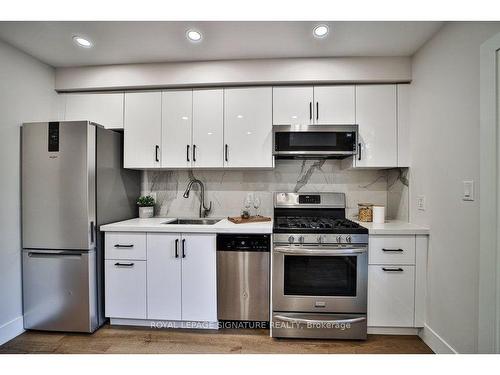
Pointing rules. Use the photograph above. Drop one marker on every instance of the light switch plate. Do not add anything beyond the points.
(421, 202)
(468, 194)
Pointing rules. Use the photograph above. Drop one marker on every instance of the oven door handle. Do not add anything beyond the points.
(335, 321)
(323, 251)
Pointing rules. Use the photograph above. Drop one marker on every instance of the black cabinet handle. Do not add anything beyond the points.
(183, 248)
(187, 152)
(124, 264)
(225, 153)
(118, 246)
(157, 148)
(310, 111)
(177, 248)
(393, 250)
(92, 229)
(317, 110)
(194, 152)
(359, 151)
(392, 269)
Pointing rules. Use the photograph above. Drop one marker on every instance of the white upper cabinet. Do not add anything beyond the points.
(208, 127)
(164, 276)
(404, 125)
(377, 119)
(142, 130)
(293, 105)
(199, 277)
(177, 120)
(105, 109)
(248, 127)
(334, 105)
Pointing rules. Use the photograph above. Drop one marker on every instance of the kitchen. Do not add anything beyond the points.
(268, 202)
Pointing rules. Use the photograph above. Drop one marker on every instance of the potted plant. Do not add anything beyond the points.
(146, 205)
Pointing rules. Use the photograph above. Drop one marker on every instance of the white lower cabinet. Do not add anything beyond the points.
(397, 269)
(125, 288)
(199, 283)
(391, 296)
(164, 276)
(176, 282)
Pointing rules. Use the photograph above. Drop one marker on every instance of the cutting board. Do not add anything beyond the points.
(251, 219)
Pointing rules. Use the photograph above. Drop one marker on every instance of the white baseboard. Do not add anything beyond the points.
(393, 331)
(11, 329)
(436, 342)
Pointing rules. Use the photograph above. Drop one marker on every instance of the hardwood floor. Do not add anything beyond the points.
(122, 340)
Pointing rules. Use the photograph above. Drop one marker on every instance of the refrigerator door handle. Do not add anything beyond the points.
(39, 254)
(92, 229)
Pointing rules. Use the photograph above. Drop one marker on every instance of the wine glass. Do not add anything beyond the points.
(247, 203)
(256, 205)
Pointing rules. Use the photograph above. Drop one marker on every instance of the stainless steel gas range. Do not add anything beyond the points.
(319, 268)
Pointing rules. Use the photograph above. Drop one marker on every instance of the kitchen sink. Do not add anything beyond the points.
(194, 221)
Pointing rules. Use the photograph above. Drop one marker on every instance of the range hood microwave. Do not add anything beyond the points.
(314, 141)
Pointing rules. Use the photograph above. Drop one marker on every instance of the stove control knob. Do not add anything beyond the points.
(291, 239)
(348, 239)
(339, 239)
(301, 239)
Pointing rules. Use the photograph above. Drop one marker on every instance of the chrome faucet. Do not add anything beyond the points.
(204, 211)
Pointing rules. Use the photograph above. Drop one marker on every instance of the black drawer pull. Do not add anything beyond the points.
(124, 264)
(310, 111)
(187, 153)
(177, 248)
(359, 151)
(157, 148)
(393, 250)
(183, 248)
(392, 269)
(118, 246)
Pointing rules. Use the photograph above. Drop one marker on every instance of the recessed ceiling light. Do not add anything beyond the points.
(320, 31)
(193, 35)
(82, 42)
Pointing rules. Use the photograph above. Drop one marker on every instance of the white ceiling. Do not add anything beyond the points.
(144, 42)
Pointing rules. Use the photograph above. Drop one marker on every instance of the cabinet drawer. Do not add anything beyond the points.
(391, 249)
(125, 246)
(125, 288)
(391, 295)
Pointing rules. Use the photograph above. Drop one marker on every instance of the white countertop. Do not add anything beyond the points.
(394, 227)
(157, 224)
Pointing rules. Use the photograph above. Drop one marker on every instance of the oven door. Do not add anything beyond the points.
(320, 278)
(314, 141)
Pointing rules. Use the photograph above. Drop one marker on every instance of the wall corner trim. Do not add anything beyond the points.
(11, 329)
(435, 342)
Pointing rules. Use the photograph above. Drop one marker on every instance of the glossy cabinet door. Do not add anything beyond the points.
(293, 105)
(125, 288)
(177, 123)
(334, 105)
(105, 109)
(142, 130)
(391, 295)
(377, 119)
(248, 127)
(403, 125)
(164, 276)
(199, 285)
(208, 127)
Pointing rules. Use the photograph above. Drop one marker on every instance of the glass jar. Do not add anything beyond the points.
(365, 212)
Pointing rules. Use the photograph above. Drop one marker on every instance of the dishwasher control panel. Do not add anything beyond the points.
(244, 242)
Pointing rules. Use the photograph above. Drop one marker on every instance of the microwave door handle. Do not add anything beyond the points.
(334, 321)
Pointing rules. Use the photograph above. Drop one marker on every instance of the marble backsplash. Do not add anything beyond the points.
(227, 189)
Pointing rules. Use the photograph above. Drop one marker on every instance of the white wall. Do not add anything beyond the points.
(26, 94)
(235, 72)
(445, 151)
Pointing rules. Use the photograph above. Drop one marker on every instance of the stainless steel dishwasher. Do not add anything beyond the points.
(243, 277)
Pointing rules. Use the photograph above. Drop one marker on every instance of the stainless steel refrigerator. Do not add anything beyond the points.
(73, 181)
